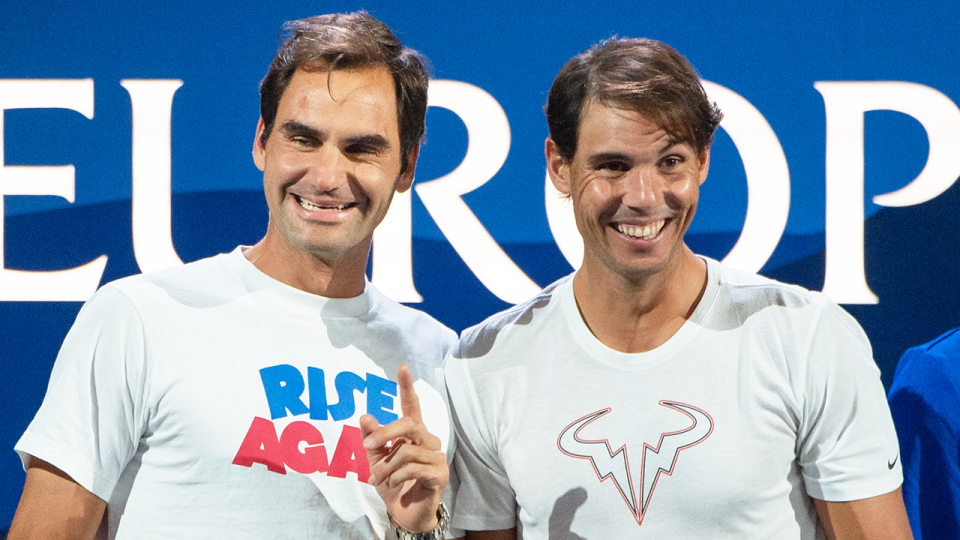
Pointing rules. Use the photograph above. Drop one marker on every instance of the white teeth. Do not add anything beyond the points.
(313, 207)
(307, 204)
(646, 232)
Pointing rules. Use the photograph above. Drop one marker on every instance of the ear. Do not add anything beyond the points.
(557, 167)
(405, 180)
(259, 159)
(704, 158)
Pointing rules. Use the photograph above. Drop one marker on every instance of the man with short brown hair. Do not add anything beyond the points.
(242, 395)
(657, 393)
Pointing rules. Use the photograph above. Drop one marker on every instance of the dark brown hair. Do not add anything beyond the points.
(641, 75)
(349, 41)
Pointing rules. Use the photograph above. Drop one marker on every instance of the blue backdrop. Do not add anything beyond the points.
(811, 206)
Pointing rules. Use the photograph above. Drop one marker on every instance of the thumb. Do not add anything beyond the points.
(368, 424)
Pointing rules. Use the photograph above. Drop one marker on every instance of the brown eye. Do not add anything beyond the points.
(672, 162)
(360, 149)
(300, 140)
(614, 166)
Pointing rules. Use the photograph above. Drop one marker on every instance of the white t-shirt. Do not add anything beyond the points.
(767, 396)
(212, 401)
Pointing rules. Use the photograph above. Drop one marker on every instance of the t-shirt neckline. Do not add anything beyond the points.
(614, 358)
(256, 280)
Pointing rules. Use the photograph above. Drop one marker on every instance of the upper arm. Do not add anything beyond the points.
(55, 507)
(846, 441)
(882, 516)
(485, 499)
(95, 409)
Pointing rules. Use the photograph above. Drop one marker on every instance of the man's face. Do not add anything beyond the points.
(634, 190)
(332, 162)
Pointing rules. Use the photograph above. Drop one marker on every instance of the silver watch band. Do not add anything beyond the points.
(443, 523)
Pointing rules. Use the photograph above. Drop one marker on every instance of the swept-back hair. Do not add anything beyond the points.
(349, 41)
(640, 75)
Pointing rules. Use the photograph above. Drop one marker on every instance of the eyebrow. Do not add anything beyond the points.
(376, 141)
(293, 128)
(598, 159)
(669, 145)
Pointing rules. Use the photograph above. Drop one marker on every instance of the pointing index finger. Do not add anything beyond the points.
(409, 403)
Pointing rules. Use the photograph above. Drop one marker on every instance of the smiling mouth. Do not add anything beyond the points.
(645, 232)
(317, 208)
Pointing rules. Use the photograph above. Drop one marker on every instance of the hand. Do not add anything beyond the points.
(406, 464)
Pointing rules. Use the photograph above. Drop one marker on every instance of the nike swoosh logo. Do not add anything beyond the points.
(890, 464)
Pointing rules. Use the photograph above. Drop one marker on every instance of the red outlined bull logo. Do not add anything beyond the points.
(657, 460)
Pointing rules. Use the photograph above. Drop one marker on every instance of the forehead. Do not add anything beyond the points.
(605, 128)
(598, 118)
(358, 96)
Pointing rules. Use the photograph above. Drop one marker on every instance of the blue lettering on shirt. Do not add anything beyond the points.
(318, 394)
(347, 383)
(284, 385)
(380, 394)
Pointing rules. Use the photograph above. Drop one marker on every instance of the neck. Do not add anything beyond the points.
(330, 277)
(633, 315)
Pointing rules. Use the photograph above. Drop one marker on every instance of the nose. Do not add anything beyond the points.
(640, 187)
(327, 169)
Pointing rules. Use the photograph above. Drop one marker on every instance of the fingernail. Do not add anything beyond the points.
(368, 443)
(372, 480)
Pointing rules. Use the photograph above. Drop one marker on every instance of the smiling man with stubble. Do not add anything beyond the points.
(656, 393)
(242, 396)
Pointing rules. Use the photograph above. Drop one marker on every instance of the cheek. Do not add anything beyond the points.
(686, 191)
(593, 202)
(591, 191)
(374, 182)
(288, 168)
(372, 174)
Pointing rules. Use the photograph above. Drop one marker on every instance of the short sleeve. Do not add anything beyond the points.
(846, 445)
(91, 418)
(485, 500)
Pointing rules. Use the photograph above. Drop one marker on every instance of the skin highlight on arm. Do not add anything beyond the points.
(878, 517)
(54, 507)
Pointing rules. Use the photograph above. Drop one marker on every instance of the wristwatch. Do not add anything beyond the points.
(443, 523)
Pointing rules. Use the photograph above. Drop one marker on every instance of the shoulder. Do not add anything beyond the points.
(743, 295)
(406, 318)
(417, 328)
(944, 348)
(747, 288)
(810, 334)
(479, 340)
(193, 275)
(932, 364)
(201, 283)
